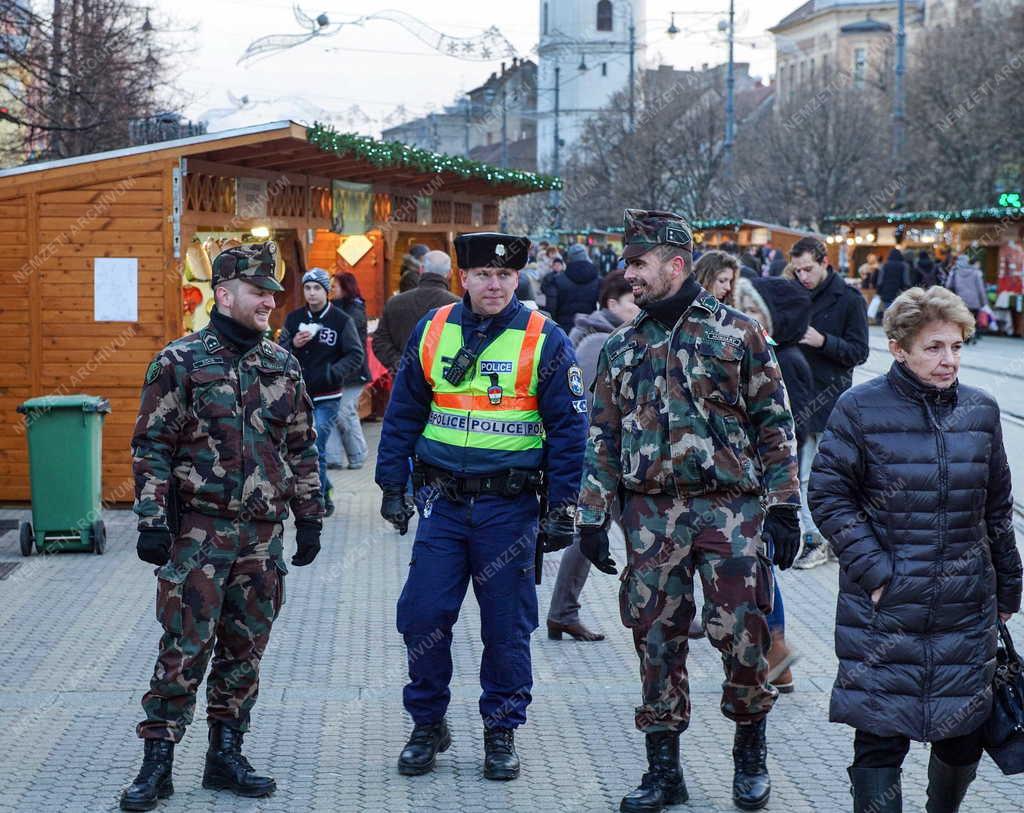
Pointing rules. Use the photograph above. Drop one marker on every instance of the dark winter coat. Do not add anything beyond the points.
(927, 274)
(893, 277)
(912, 486)
(838, 312)
(402, 313)
(570, 292)
(355, 309)
(333, 357)
(789, 306)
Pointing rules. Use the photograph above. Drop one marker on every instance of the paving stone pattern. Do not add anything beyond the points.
(78, 638)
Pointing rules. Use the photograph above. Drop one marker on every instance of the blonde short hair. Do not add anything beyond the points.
(917, 307)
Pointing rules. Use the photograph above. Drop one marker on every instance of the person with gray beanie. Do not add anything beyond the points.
(572, 291)
(325, 341)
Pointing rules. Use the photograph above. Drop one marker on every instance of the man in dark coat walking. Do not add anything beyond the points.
(573, 291)
(835, 343)
(893, 278)
(403, 311)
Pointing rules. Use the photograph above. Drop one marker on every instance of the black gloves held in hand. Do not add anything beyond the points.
(557, 528)
(154, 546)
(594, 545)
(307, 542)
(397, 508)
(782, 527)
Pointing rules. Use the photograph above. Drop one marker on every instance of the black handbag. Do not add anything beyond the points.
(1003, 732)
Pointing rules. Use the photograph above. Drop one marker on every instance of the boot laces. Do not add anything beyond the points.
(500, 740)
(424, 734)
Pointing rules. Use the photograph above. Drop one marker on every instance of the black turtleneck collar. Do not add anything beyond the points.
(904, 381)
(234, 333)
(824, 284)
(669, 310)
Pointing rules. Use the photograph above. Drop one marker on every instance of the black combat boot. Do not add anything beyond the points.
(227, 769)
(876, 790)
(154, 779)
(663, 783)
(500, 758)
(947, 785)
(751, 785)
(425, 743)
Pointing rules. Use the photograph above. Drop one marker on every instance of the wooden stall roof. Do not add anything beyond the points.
(992, 214)
(281, 146)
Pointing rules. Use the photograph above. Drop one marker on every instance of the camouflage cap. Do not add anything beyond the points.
(253, 262)
(644, 229)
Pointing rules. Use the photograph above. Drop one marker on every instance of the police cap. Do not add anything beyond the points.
(253, 262)
(491, 249)
(644, 230)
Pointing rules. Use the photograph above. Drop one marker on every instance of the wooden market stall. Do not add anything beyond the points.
(994, 236)
(105, 257)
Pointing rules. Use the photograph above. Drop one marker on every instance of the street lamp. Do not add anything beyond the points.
(582, 67)
(672, 30)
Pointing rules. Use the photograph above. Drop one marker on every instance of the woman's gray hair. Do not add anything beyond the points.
(917, 307)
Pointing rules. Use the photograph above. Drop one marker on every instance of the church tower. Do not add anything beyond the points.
(588, 42)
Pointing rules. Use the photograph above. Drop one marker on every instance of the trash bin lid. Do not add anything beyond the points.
(86, 403)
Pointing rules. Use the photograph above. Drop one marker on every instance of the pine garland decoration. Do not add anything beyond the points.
(953, 216)
(396, 154)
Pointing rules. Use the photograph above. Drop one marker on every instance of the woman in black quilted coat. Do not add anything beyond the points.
(912, 487)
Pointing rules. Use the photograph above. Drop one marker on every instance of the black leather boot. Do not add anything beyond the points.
(227, 769)
(663, 783)
(500, 758)
(751, 785)
(425, 743)
(947, 785)
(154, 779)
(876, 790)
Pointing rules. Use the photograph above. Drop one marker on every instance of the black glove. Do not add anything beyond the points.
(397, 508)
(557, 528)
(782, 527)
(307, 542)
(594, 545)
(154, 546)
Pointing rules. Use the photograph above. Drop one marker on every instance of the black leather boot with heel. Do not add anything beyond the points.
(663, 783)
(154, 779)
(228, 769)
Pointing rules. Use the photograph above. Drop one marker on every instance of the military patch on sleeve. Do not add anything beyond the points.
(153, 372)
(575, 381)
(580, 406)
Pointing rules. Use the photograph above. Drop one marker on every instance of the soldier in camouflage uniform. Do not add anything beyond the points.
(223, 445)
(691, 430)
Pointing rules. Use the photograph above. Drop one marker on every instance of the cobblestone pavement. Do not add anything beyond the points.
(78, 639)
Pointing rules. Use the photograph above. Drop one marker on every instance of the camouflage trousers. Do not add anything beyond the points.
(667, 540)
(218, 595)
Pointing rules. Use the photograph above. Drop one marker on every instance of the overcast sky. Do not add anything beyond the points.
(375, 69)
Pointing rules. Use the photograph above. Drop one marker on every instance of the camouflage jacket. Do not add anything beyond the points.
(235, 431)
(700, 409)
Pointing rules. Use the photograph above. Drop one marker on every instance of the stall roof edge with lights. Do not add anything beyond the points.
(106, 257)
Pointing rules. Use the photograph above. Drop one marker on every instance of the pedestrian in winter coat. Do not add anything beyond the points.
(868, 272)
(348, 434)
(912, 486)
(572, 291)
(587, 336)
(403, 311)
(893, 277)
(966, 282)
(927, 273)
(782, 307)
(835, 343)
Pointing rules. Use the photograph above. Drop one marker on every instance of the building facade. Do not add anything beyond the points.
(585, 50)
(834, 43)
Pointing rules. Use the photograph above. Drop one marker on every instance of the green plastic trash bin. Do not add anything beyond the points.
(65, 452)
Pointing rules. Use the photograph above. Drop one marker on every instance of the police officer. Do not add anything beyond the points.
(224, 444)
(490, 404)
(691, 429)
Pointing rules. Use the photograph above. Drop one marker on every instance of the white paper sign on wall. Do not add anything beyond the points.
(115, 289)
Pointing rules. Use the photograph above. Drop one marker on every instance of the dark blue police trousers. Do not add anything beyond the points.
(492, 540)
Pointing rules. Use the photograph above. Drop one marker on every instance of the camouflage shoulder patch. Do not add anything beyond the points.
(153, 372)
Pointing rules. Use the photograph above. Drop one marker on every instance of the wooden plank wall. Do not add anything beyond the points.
(15, 361)
(123, 217)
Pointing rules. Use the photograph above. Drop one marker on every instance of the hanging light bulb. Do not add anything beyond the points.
(672, 30)
(147, 26)
(583, 64)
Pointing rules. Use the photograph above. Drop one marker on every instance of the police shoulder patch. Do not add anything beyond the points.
(575, 375)
(153, 372)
